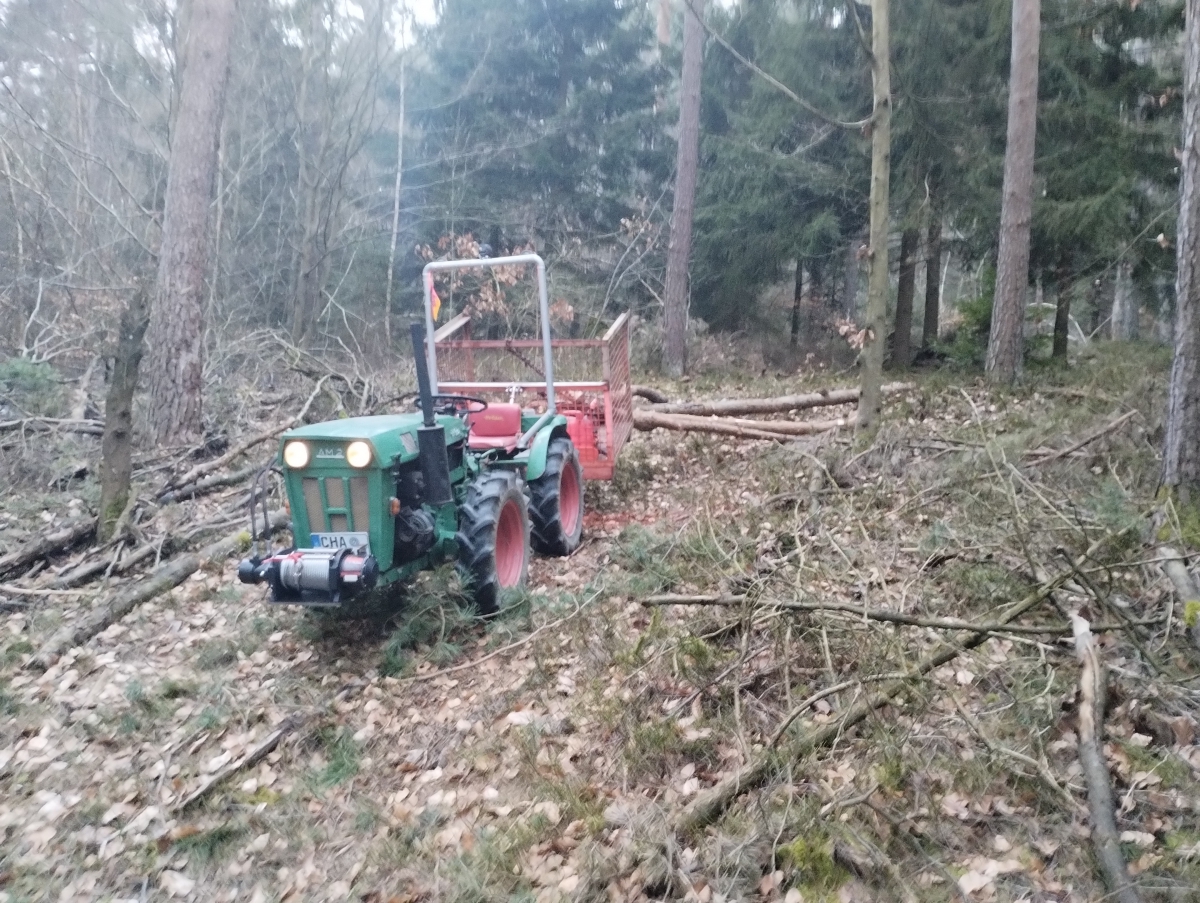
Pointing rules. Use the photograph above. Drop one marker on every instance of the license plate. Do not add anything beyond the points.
(356, 542)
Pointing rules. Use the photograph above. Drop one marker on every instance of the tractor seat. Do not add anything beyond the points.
(497, 426)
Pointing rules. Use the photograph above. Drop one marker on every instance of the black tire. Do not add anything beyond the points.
(556, 501)
(494, 516)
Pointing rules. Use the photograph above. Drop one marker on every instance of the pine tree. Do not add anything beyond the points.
(1181, 445)
(1012, 270)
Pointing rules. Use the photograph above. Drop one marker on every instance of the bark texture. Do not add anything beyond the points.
(687, 158)
(1181, 445)
(1062, 316)
(933, 281)
(1012, 266)
(877, 279)
(906, 290)
(116, 446)
(177, 316)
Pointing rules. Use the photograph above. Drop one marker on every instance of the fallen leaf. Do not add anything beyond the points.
(176, 884)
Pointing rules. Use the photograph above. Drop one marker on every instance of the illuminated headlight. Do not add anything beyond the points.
(295, 455)
(358, 454)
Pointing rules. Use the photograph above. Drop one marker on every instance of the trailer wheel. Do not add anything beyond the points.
(556, 504)
(493, 538)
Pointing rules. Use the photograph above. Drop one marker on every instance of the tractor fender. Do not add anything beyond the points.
(541, 445)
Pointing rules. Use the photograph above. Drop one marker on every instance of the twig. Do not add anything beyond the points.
(1087, 440)
(241, 448)
(503, 649)
(1042, 769)
(160, 581)
(708, 806)
(289, 725)
(1100, 799)
(871, 614)
(47, 544)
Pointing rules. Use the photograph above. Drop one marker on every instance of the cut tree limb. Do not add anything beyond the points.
(1105, 838)
(645, 419)
(48, 544)
(165, 578)
(871, 614)
(201, 470)
(1175, 568)
(708, 806)
(782, 404)
(202, 487)
(89, 427)
(1044, 456)
(651, 394)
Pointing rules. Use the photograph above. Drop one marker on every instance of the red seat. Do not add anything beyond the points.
(497, 426)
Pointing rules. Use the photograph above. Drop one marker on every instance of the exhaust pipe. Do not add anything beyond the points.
(431, 438)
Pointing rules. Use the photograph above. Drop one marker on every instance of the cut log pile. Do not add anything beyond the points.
(730, 417)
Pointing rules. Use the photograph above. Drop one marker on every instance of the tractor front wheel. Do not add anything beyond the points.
(493, 537)
(556, 502)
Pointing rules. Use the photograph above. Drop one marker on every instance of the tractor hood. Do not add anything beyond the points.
(393, 437)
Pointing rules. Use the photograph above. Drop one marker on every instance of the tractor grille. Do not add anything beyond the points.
(329, 510)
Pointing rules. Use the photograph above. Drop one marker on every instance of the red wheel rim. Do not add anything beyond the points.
(569, 499)
(510, 545)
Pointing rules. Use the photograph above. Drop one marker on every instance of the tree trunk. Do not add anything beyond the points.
(116, 446)
(1062, 316)
(387, 298)
(933, 280)
(850, 286)
(177, 316)
(687, 158)
(905, 292)
(797, 300)
(1012, 269)
(1124, 326)
(1181, 446)
(877, 281)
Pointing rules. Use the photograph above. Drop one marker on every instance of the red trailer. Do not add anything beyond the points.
(592, 385)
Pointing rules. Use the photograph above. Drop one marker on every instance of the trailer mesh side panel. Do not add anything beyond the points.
(620, 388)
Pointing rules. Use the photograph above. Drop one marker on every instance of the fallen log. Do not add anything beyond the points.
(651, 394)
(49, 424)
(646, 419)
(780, 405)
(203, 487)
(708, 806)
(165, 578)
(1105, 838)
(48, 544)
(86, 572)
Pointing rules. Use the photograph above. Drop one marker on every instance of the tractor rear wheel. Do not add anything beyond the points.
(556, 502)
(493, 537)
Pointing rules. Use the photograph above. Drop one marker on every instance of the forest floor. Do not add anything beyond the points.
(558, 752)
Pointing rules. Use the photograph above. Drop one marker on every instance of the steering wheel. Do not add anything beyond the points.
(458, 404)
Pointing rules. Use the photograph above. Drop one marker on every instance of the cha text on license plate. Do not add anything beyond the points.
(355, 542)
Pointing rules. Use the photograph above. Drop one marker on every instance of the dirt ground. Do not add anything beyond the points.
(548, 755)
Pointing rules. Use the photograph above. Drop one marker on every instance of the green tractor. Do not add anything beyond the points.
(374, 500)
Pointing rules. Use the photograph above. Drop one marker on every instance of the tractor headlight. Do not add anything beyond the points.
(295, 455)
(358, 454)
